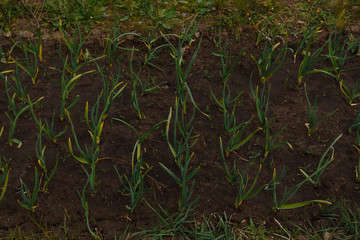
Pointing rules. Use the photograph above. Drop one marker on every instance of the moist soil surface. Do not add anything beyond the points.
(60, 207)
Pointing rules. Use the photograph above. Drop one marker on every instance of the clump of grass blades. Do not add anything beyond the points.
(175, 224)
(351, 222)
(182, 225)
(345, 225)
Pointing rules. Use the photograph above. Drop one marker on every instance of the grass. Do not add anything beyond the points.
(160, 21)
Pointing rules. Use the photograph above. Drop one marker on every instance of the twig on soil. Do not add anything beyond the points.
(32, 13)
(241, 157)
(289, 236)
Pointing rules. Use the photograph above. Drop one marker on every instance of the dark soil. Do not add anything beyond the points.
(61, 205)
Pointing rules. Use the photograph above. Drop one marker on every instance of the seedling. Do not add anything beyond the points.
(3, 59)
(67, 86)
(338, 51)
(146, 86)
(96, 121)
(229, 118)
(271, 57)
(78, 59)
(325, 160)
(271, 141)
(35, 47)
(29, 199)
(17, 87)
(225, 56)
(350, 94)
(89, 156)
(85, 206)
(111, 43)
(236, 140)
(310, 58)
(241, 177)
(288, 194)
(149, 44)
(75, 45)
(234, 177)
(17, 112)
(134, 81)
(313, 119)
(234, 129)
(31, 66)
(4, 176)
(134, 186)
(180, 149)
(261, 102)
(182, 87)
(40, 153)
(357, 146)
(47, 128)
(356, 123)
(224, 103)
